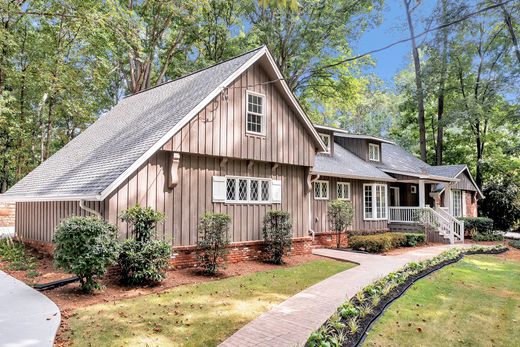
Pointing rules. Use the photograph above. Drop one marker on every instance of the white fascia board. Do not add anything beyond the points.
(22, 198)
(354, 177)
(421, 176)
(185, 120)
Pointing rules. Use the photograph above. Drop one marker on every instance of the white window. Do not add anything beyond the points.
(373, 152)
(255, 117)
(326, 140)
(374, 201)
(321, 190)
(413, 189)
(456, 196)
(246, 190)
(343, 191)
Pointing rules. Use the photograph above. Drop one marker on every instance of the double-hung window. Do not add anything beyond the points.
(373, 152)
(255, 116)
(456, 196)
(375, 201)
(343, 190)
(321, 190)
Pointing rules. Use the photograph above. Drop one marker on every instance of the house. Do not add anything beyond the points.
(388, 187)
(230, 138)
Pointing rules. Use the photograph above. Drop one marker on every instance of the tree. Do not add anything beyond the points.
(340, 214)
(418, 81)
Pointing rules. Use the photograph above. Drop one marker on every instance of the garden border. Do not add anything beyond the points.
(408, 284)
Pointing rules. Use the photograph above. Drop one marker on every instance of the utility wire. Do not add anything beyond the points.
(461, 19)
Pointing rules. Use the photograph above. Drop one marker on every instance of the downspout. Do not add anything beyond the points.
(311, 230)
(88, 209)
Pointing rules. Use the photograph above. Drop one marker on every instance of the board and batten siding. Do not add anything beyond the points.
(320, 222)
(184, 204)
(464, 183)
(220, 129)
(37, 221)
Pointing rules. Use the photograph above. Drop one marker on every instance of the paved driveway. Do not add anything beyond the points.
(291, 322)
(27, 317)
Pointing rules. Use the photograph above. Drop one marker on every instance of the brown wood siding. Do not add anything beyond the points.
(319, 207)
(37, 221)
(464, 183)
(184, 205)
(220, 129)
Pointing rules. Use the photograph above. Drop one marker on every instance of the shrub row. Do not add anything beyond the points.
(479, 224)
(379, 243)
(346, 326)
(515, 244)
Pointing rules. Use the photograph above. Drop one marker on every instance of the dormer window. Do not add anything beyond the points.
(255, 117)
(326, 140)
(373, 152)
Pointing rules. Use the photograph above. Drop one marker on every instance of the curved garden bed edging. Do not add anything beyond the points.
(337, 331)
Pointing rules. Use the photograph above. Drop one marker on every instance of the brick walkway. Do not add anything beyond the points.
(291, 322)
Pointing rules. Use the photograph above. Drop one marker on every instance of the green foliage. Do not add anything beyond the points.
(502, 202)
(213, 241)
(143, 260)
(515, 244)
(14, 252)
(379, 243)
(487, 236)
(340, 214)
(277, 231)
(85, 246)
(478, 224)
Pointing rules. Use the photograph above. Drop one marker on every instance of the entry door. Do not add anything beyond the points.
(394, 196)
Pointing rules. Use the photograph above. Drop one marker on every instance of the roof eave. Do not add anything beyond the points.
(43, 198)
(355, 177)
(420, 176)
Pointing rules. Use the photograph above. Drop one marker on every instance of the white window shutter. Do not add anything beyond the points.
(219, 189)
(276, 188)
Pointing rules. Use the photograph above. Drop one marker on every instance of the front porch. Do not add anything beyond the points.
(419, 205)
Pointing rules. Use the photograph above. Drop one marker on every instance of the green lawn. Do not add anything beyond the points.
(475, 302)
(194, 315)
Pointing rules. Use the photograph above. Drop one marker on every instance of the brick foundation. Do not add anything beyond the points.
(7, 214)
(184, 256)
(329, 239)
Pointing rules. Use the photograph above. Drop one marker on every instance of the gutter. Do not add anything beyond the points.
(88, 209)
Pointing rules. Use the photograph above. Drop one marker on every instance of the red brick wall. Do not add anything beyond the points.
(7, 211)
(328, 240)
(471, 205)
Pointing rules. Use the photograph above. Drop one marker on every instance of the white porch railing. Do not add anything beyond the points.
(440, 220)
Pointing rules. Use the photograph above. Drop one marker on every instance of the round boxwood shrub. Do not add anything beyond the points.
(277, 235)
(85, 246)
(143, 260)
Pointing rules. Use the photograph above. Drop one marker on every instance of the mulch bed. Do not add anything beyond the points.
(366, 322)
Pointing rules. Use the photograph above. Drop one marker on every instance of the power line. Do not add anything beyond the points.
(461, 19)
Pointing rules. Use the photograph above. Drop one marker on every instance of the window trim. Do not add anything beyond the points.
(314, 190)
(374, 145)
(338, 184)
(328, 151)
(453, 199)
(374, 199)
(249, 201)
(413, 189)
(263, 115)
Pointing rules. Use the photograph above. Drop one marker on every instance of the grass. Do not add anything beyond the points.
(475, 302)
(194, 315)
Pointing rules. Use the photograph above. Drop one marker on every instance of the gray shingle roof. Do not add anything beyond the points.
(347, 164)
(394, 157)
(98, 156)
(447, 170)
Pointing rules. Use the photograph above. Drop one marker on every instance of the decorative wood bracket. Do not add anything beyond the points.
(173, 177)
(309, 180)
(223, 162)
(273, 169)
(250, 165)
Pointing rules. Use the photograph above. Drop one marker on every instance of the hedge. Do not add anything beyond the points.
(479, 224)
(379, 243)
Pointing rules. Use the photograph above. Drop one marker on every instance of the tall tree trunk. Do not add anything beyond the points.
(418, 83)
(442, 88)
(508, 19)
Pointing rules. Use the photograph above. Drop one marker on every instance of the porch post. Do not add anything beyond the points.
(447, 197)
(421, 194)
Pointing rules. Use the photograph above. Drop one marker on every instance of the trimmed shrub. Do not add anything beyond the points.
(277, 235)
(515, 244)
(379, 243)
(213, 241)
(479, 224)
(85, 246)
(143, 260)
(340, 213)
(487, 236)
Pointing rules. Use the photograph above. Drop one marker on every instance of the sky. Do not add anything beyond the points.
(393, 28)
